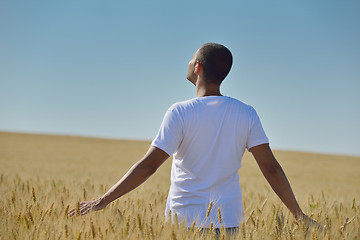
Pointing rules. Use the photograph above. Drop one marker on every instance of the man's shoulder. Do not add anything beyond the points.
(191, 103)
(239, 102)
(182, 104)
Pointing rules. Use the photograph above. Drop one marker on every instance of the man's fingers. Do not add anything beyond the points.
(84, 208)
(311, 222)
(71, 212)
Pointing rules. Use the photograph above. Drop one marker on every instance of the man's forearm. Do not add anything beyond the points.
(276, 177)
(136, 175)
(281, 186)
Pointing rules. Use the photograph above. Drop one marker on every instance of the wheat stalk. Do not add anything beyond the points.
(209, 209)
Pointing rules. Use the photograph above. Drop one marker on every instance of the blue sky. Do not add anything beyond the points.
(112, 68)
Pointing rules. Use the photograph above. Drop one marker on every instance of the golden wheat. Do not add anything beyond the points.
(42, 176)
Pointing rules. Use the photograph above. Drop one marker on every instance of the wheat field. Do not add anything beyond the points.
(42, 176)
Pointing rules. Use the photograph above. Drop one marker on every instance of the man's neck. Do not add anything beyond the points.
(204, 89)
(207, 93)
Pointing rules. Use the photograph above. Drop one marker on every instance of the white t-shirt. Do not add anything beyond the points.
(208, 137)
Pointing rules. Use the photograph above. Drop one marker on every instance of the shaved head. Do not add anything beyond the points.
(216, 61)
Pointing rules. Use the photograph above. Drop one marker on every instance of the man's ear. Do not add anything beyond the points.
(197, 67)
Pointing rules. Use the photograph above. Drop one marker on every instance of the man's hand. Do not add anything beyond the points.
(309, 221)
(87, 206)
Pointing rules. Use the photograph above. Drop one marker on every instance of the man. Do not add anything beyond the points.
(208, 136)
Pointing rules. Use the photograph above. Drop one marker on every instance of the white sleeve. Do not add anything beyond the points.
(170, 133)
(256, 134)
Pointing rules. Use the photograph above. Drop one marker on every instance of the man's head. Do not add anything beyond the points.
(215, 61)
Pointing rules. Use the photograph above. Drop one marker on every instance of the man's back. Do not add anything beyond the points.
(208, 136)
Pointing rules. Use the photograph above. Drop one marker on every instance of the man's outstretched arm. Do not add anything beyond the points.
(276, 177)
(137, 174)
